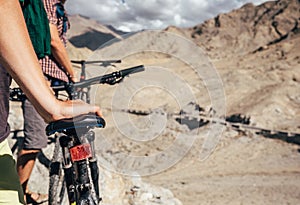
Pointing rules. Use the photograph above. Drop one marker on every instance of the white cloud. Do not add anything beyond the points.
(135, 15)
(178, 20)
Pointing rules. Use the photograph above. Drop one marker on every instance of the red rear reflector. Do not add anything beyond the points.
(81, 152)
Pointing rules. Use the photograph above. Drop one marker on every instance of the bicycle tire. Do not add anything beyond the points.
(57, 187)
(84, 176)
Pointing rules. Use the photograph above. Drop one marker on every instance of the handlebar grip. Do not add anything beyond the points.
(78, 61)
(135, 69)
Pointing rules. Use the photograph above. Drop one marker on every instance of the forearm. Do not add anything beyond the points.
(18, 57)
(59, 51)
(62, 58)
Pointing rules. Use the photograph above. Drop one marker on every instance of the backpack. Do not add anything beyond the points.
(38, 26)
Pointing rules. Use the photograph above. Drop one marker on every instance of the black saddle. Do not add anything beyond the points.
(88, 121)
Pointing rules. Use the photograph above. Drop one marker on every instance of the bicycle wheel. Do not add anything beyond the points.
(57, 187)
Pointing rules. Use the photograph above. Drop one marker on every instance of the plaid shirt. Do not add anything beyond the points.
(49, 65)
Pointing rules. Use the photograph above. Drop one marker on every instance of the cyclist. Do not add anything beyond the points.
(56, 67)
(15, 52)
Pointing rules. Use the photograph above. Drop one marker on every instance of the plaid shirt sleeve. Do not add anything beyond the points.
(51, 10)
(49, 65)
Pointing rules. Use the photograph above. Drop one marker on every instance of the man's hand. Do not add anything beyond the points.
(72, 108)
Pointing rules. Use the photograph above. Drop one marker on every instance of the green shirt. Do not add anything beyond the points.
(38, 26)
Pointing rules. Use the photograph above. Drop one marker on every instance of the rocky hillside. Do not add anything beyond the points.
(249, 29)
(149, 155)
(256, 50)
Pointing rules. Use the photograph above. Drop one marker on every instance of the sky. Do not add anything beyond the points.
(134, 15)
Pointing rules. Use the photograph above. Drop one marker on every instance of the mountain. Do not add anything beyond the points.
(256, 51)
(89, 33)
(249, 29)
(151, 118)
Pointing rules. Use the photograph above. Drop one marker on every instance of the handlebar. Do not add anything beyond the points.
(111, 79)
(16, 94)
(103, 62)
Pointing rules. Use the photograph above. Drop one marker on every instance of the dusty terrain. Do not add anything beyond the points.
(255, 52)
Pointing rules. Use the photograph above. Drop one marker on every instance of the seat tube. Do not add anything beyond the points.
(93, 163)
(65, 143)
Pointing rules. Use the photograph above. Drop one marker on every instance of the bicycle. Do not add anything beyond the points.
(74, 166)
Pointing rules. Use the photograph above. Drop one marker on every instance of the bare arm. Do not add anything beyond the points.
(60, 53)
(18, 57)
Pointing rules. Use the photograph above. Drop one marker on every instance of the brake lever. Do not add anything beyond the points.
(114, 81)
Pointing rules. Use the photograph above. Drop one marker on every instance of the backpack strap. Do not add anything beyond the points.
(61, 14)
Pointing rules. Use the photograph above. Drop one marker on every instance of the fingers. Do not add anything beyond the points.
(74, 79)
(98, 111)
(73, 108)
(78, 107)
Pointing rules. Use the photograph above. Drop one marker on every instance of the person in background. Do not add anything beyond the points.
(16, 51)
(56, 68)
(54, 65)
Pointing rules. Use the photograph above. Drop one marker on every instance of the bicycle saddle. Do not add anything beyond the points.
(82, 121)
